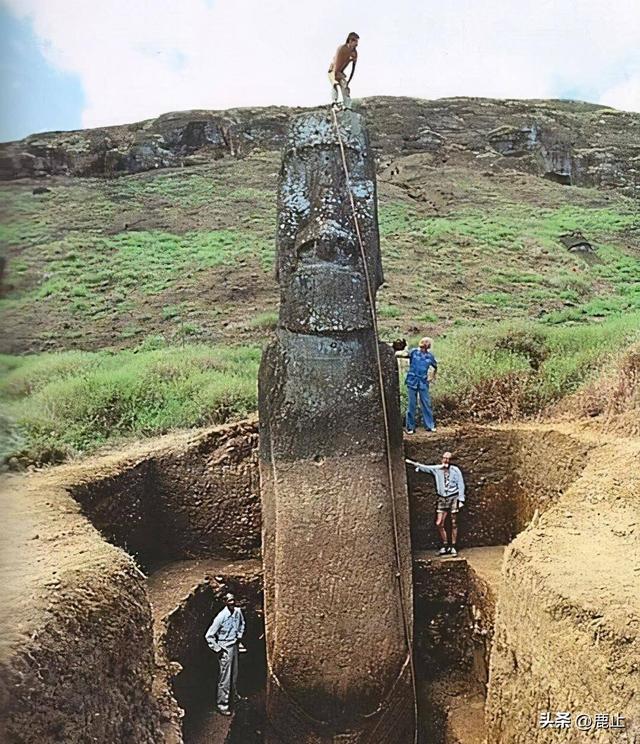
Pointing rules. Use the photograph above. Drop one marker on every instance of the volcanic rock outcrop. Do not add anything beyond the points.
(569, 142)
(336, 550)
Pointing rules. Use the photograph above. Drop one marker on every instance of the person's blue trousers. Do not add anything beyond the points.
(425, 405)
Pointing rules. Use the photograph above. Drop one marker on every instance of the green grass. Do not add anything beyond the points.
(389, 311)
(99, 254)
(395, 218)
(58, 405)
(509, 226)
(171, 312)
(181, 189)
(509, 259)
(172, 254)
(427, 317)
(497, 299)
(265, 321)
(62, 404)
(147, 262)
(549, 362)
(78, 239)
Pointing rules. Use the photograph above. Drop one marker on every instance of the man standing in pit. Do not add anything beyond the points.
(345, 55)
(450, 499)
(223, 637)
(417, 382)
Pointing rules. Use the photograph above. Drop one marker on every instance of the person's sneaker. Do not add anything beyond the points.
(411, 431)
(223, 710)
(443, 550)
(453, 551)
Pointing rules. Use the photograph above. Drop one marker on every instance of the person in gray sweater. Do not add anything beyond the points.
(223, 638)
(450, 490)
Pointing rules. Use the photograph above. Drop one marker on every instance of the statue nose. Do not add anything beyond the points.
(326, 240)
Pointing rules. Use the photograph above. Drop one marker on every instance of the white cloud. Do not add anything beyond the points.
(140, 58)
(624, 95)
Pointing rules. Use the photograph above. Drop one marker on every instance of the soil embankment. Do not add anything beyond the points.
(568, 621)
(506, 470)
(92, 649)
(77, 654)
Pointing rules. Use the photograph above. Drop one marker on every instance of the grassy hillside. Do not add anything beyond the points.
(62, 404)
(158, 288)
(188, 254)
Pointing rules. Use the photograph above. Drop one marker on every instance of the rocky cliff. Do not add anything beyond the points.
(568, 142)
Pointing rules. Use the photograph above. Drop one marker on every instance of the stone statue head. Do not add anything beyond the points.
(323, 286)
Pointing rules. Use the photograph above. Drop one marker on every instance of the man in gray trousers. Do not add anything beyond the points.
(223, 637)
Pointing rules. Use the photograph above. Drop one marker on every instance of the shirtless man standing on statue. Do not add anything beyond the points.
(345, 54)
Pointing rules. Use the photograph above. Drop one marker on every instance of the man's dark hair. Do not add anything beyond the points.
(352, 35)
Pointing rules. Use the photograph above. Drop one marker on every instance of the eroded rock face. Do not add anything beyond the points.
(566, 141)
(336, 640)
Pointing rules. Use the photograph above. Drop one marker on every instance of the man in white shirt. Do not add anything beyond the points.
(450, 489)
(223, 637)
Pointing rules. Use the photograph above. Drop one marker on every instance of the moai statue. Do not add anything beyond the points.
(337, 561)
(337, 565)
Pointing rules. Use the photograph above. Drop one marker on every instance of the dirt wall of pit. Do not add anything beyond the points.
(76, 659)
(567, 633)
(180, 497)
(454, 608)
(185, 596)
(77, 645)
(199, 496)
(78, 636)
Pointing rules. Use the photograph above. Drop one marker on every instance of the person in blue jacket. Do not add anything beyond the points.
(417, 382)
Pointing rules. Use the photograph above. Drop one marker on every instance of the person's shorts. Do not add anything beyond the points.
(447, 504)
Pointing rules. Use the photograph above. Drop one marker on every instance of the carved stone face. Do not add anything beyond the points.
(320, 269)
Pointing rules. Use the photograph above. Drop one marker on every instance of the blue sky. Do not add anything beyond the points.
(74, 63)
(36, 97)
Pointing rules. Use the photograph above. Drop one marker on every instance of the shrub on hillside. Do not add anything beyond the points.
(614, 396)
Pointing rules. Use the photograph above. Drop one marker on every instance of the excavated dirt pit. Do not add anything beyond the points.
(188, 513)
(183, 598)
(454, 608)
